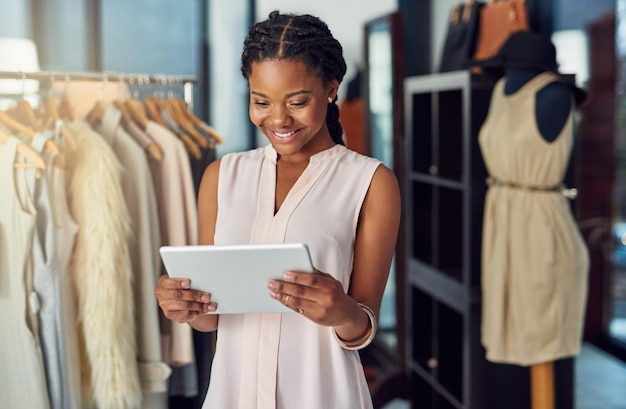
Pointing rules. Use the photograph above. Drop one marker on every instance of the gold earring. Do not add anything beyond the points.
(330, 100)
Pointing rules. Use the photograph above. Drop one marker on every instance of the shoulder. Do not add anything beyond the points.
(243, 156)
(385, 182)
(356, 159)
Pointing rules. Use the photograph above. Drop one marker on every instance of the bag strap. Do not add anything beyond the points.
(454, 15)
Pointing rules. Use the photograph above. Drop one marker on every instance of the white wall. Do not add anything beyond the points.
(439, 14)
(345, 18)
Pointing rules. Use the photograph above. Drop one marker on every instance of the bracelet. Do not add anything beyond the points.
(366, 339)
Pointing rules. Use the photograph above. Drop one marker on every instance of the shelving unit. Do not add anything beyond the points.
(443, 201)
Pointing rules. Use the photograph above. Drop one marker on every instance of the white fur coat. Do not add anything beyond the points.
(102, 275)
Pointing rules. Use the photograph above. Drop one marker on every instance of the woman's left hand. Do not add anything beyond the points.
(318, 296)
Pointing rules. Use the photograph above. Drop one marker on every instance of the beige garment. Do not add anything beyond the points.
(534, 261)
(101, 269)
(22, 376)
(178, 216)
(285, 361)
(143, 247)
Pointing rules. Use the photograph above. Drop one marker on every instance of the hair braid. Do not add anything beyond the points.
(303, 38)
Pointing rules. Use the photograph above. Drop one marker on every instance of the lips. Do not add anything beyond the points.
(283, 135)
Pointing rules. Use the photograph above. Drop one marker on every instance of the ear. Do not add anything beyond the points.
(333, 88)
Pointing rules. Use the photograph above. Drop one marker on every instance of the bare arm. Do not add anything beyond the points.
(376, 238)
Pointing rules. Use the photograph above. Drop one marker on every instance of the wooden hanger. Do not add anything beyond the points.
(95, 115)
(153, 149)
(126, 118)
(155, 106)
(27, 113)
(135, 109)
(192, 148)
(183, 120)
(68, 135)
(36, 160)
(182, 107)
(66, 111)
(15, 125)
(153, 111)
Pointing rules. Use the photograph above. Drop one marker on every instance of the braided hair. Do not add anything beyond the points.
(302, 38)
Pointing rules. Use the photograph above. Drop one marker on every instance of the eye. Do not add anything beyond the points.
(299, 104)
(261, 104)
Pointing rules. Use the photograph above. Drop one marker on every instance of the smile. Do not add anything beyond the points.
(284, 135)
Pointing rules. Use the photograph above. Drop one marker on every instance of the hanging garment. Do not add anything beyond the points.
(102, 273)
(534, 261)
(143, 247)
(178, 216)
(47, 284)
(285, 360)
(22, 376)
(65, 231)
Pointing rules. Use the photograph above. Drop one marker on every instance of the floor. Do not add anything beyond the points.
(600, 382)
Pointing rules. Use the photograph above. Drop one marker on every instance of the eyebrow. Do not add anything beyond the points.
(290, 95)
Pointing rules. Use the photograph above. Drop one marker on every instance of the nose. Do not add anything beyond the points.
(279, 116)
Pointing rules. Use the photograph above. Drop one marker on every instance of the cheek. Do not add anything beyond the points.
(318, 116)
(256, 117)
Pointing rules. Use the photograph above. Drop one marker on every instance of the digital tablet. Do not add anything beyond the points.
(237, 275)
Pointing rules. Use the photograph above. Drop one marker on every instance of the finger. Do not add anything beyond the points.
(316, 279)
(300, 305)
(175, 306)
(167, 282)
(182, 316)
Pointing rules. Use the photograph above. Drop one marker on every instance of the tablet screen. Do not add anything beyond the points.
(237, 275)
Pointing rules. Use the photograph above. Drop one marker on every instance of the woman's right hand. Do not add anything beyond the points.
(180, 303)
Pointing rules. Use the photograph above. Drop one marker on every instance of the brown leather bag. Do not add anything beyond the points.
(498, 20)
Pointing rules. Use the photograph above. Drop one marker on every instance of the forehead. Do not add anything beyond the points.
(280, 73)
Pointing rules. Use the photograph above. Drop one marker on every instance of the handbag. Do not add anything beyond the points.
(498, 20)
(460, 39)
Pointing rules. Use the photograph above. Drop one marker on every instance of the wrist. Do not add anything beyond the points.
(366, 337)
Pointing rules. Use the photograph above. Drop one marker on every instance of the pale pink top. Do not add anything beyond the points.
(285, 360)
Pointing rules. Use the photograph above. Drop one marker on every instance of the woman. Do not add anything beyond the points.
(304, 186)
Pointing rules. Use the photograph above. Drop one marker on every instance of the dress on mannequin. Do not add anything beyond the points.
(535, 263)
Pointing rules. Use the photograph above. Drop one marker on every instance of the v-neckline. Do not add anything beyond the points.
(308, 177)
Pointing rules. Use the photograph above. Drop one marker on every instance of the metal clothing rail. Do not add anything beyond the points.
(187, 81)
(113, 76)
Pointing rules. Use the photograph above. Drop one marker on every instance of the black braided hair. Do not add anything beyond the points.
(302, 38)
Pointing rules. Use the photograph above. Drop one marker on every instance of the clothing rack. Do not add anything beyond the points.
(187, 81)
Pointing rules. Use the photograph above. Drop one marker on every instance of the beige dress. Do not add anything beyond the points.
(284, 361)
(534, 261)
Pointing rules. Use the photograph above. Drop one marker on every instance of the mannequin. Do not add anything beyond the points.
(553, 105)
(535, 263)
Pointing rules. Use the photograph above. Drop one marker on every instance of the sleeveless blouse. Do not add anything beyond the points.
(284, 360)
(534, 261)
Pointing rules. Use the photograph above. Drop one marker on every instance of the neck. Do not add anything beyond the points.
(517, 77)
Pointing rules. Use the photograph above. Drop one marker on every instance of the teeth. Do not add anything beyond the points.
(284, 135)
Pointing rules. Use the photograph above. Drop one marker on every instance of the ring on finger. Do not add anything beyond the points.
(287, 299)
